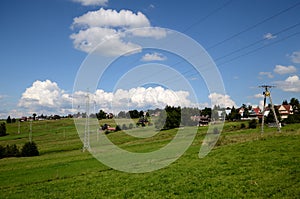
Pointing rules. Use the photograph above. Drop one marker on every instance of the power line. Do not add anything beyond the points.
(190, 26)
(253, 26)
(257, 49)
(208, 15)
(257, 42)
(239, 33)
(242, 55)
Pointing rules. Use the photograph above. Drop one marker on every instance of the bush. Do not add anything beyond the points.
(292, 119)
(29, 149)
(124, 127)
(252, 124)
(2, 152)
(130, 126)
(2, 129)
(118, 128)
(243, 126)
(11, 151)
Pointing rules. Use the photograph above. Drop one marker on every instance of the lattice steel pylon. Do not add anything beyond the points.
(266, 94)
(86, 142)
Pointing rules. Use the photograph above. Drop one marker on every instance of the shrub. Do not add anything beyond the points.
(252, 124)
(11, 151)
(130, 126)
(2, 129)
(243, 126)
(29, 149)
(118, 128)
(292, 119)
(124, 127)
(2, 152)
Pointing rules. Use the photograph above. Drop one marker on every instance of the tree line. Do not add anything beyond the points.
(28, 149)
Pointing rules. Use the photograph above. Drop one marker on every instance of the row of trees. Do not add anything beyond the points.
(29, 149)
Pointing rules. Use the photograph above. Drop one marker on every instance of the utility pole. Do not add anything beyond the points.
(18, 126)
(266, 94)
(86, 144)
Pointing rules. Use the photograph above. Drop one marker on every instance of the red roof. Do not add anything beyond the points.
(256, 110)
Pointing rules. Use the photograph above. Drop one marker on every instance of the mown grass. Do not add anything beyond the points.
(244, 164)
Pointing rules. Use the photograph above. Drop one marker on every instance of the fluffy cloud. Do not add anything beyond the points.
(291, 84)
(222, 100)
(141, 98)
(279, 69)
(295, 57)
(46, 97)
(112, 18)
(108, 26)
(268, 74)
(92, 2)
(87, 40)
(153, 57)
(269, 36)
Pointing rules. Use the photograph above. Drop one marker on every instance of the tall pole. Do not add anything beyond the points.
(18, 126)
(263, 114)
(266, 94)
(86, 145)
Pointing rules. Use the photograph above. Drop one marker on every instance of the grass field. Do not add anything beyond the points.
(243, 164)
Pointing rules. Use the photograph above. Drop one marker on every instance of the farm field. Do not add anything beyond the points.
(243, 164)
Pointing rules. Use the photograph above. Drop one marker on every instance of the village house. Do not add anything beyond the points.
(285, 111)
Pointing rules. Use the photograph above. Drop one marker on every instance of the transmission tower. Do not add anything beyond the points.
(266, 94)
(86, 144)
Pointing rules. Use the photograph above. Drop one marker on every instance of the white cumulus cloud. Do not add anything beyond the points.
(279, 69)
(153, 57)
(112, 18)
(48, 98)
(92, 2)
(107, 26)
(221, 100)
(44, 96)
(295, 57)
(291, 84)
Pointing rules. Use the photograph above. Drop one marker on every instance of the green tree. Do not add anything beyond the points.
(141, 114)
(295, 105)
(134, 114)
(29, 149)
(12, 151)
(206, 112)
(271, 118)
(234, 114)
(2, 129)
(101, 115)
(34, 116)
(122, 114)
(172, 117)
(8, 120)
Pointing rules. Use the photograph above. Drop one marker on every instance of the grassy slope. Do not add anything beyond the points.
(243, 164)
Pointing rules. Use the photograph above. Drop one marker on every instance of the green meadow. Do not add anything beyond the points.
(243, 164)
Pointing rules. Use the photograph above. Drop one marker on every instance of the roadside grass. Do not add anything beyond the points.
(244, 164)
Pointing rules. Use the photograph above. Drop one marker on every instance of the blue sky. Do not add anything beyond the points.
(251, 43)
